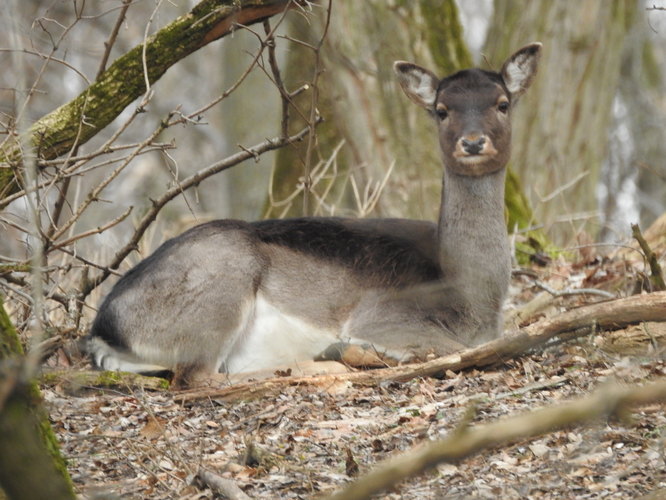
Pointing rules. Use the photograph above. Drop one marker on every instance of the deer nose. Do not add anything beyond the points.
(473, 146)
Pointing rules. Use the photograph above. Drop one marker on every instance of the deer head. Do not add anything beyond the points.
(472, 108)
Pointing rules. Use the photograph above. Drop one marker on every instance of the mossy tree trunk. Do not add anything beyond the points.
(561, 127)
(365, 107)
(31, 465)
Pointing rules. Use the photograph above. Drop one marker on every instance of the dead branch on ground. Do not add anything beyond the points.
(224, 487)
(609, 401)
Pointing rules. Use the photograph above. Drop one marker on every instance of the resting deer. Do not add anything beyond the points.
(230, 296)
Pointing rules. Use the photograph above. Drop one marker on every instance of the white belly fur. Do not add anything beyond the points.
(274, 339)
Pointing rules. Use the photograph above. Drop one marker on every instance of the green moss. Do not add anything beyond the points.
(123, 379)
(109, 378)
(10, 346)
(51, 442)
(519, 213)
(444, 35)
(520, 217)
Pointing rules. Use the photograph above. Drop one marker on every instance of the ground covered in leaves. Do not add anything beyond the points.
(309, 441)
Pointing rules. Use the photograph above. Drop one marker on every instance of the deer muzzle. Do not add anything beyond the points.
(474, 148)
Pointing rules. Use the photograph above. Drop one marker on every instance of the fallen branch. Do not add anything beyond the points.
(610, 315)
(608, 401)
(72, 381)
(224, 487)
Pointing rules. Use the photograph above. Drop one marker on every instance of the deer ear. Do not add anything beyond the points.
(520, 69)
(418, 83)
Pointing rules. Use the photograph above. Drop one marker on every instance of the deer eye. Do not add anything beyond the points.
(441, 111)
(503, 107)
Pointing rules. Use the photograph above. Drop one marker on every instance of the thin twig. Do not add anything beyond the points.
(144, 62)
(77, 170)
(656, 274)
(95, 192)
(49, 58)
(97, 230)
(108, 45)
(571, 291)
(243, 76)
(314, 114)
(285, 99)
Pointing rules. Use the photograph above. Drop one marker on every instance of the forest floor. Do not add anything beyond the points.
(309, 441)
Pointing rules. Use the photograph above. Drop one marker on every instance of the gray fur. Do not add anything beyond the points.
(230, 295)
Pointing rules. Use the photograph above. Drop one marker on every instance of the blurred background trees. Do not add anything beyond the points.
(588, 140)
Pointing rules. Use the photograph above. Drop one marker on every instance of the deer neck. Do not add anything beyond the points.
(474, 253)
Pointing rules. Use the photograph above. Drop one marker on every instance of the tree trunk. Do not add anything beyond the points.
(364, 107)
(31, 466)
(637, 148)
(561, 128)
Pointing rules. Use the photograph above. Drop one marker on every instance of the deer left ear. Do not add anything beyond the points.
(520, 69)
(418, 83)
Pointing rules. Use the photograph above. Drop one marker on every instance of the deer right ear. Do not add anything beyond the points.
(520, 69)
(418, 83)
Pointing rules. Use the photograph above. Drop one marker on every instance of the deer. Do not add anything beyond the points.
(230, 296)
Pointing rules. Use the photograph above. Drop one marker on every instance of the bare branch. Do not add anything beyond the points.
(656, 274)
(314, 114)
(48, 58)
(608, 401)
(97, 230)
(277, 79)
(193, 180)
(108, 45)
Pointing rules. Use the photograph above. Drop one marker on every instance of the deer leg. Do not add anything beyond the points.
(356, 355)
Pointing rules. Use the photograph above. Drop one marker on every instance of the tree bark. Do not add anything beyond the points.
(362, 104)
(79, 120)
(560, 131)
(30, 462)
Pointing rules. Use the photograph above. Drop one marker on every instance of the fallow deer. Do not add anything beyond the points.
(231, 296)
